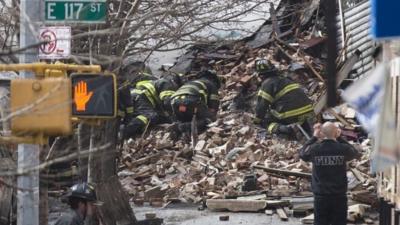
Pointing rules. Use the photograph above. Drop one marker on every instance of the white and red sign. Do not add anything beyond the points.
(58, 42)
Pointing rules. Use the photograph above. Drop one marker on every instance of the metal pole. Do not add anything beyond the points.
(79, 139)
(330, 15)
(342, 28)
(91, 156)
(28, 155)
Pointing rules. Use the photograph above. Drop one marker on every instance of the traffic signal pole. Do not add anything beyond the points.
(28, 154)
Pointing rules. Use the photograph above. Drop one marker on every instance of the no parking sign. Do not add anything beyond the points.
(58, 42)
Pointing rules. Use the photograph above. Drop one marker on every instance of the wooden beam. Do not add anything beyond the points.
(282, 214)
(275, 26)
(283, 172)
(301, 55)
(358, 175)
(236, 205)
(340, 118)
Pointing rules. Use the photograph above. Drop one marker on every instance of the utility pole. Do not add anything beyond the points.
(28, 155)
(330, 16)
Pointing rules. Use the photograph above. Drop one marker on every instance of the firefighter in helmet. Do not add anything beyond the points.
(281, 102)
(197, 97)
(82, 201)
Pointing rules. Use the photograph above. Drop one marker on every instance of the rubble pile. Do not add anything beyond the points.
(234, 159)
(157, 168)
(217, 165)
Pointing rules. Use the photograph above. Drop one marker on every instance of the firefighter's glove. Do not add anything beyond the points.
(256, 120)
(184, 127)
(134, 127)
(285, 129)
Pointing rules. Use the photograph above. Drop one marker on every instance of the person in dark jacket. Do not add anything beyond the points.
(130, 73)
(82, 200)
(329, 153)
(197, 97)
(280, 102)
(151, 103)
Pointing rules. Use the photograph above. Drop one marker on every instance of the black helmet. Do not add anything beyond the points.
(177, 78)
(130, 64)
(83, 191)
(210, 75)
(264, 67)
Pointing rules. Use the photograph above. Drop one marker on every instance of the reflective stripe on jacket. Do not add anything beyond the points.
(283, 98)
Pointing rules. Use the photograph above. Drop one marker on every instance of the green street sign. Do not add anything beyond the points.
(75, 11)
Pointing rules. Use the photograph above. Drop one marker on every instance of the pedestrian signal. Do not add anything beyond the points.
(41, 106)
(93, 95)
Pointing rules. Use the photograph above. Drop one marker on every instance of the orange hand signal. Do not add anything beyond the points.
(81, 97)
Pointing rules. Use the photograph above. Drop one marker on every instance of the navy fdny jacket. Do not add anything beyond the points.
(329, 159)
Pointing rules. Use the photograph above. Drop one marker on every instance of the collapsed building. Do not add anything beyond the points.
(236, 160)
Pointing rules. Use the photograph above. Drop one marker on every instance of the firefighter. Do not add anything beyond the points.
(329, 153)
(151, 101)
(82, 201)
(131, 72)
(281, 103)
(197, 97)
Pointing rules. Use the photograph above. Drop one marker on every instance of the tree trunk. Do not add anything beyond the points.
(116, 209)
(7, 189)
(43, 204)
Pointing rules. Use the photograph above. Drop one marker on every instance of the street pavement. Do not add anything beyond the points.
(189, 215)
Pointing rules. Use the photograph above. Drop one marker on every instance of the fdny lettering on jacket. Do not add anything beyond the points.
(332, 160)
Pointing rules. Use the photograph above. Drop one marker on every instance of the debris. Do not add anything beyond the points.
(194, 133)
(223, 218)
(358, 175)
(149, 216)
(339, 117)
(138, 202)
(369, 221)
(200, 145)
(308, 219)
(253, 197)
(283, 172)
(365, 197)
(153, 193)
(155, 221)
(213, 167)
(157, 203)
(282, 214)
(249, 183)
(356, 212)
(302, 205)
(244, 130)
(246, 80)
(277, 203)
(233, 153)
(235, 205)
(269, 212)
(275, 26)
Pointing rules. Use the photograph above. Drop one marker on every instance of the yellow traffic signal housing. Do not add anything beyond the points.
(94, 95)
(41, 107)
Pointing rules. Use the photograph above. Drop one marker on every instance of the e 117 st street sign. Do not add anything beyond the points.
(75, 11)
